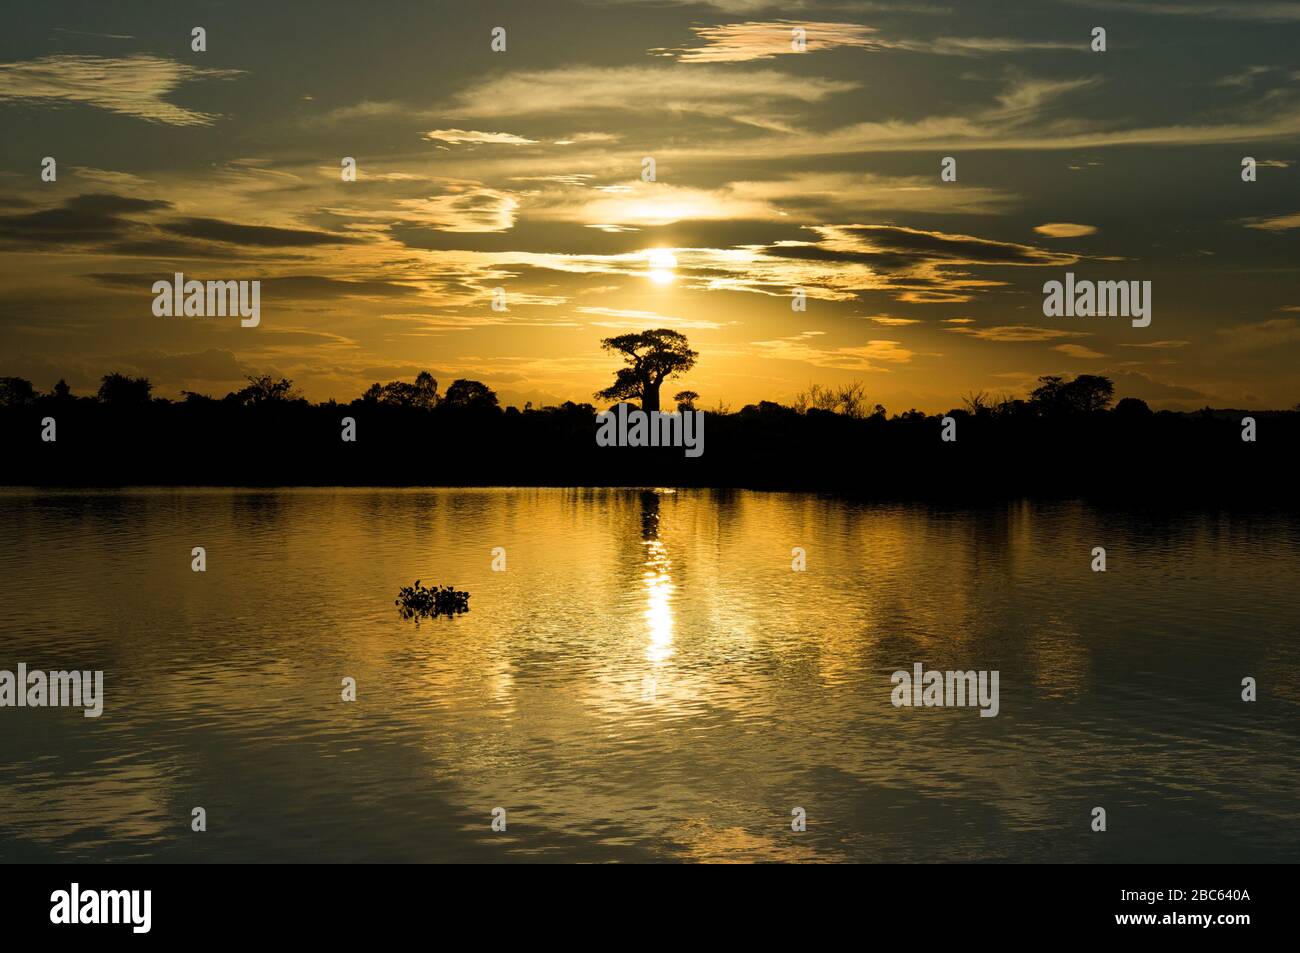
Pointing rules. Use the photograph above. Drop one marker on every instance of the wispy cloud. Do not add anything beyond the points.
(765, 39)
(99, 36)
(131, 85)
(761, 40)
(638, 204)
(473, 136)
(1065, 230)
(635, 319)
(1017, 333)
(1028, 115)
(1270, 12)
(913, 265)
(811, 192)
(468, 207)
(1259, 335)
(856, 358)
(110, 177)
(1277, 223)
(746, 7)
(238, 233)
(1246, 78)
(575, 90)
(1078, 351)
(891, 322)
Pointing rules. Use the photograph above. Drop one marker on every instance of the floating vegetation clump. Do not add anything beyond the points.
(420, 602)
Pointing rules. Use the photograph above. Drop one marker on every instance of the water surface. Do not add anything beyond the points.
(648, 679)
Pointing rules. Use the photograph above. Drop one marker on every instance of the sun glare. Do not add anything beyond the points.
(662, 263)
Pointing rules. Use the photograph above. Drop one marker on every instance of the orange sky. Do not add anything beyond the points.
(775, 170)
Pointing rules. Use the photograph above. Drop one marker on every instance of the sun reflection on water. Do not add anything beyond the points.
(659, 590)
(658, 580)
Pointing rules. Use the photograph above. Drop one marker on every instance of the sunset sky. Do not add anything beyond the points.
(775, 170)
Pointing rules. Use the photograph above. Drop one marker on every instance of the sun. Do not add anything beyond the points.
(661, 263)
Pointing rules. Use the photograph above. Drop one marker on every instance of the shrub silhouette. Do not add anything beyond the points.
(1054, 443)
(418, 602)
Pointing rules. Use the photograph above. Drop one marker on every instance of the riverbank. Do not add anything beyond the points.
(1105, 455)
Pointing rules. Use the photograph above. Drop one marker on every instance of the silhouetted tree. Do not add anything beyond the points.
(1132, 407)
(1046, 397)
(1015, 448)
(653, 357)
(265, 390)
(423, 394)
(470, 395)
(1090, 392)
(978, 403)
(850, 399)
(61, 390)
(816, 397)
(1085, 394)
(685, 400)
(766, 408)
(426, 390)
(117, 388)
(16, 391)
(1013, 408)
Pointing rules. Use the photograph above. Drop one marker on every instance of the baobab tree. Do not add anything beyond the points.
(652, 357)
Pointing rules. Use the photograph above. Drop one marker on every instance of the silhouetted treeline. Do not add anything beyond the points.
(1062, 440)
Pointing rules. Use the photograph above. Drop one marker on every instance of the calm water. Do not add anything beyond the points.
(647, 680)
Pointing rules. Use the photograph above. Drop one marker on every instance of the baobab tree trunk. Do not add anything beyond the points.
(650, 396)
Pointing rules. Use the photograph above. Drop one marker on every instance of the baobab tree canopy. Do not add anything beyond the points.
(652, 357)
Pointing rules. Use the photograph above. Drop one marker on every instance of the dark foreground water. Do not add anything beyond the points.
(648, 679)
